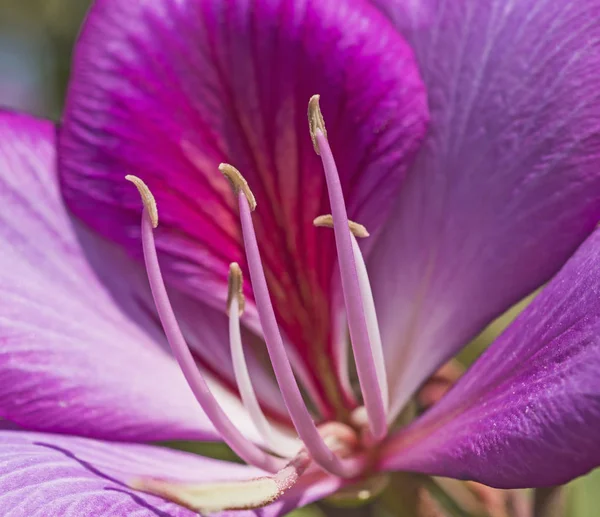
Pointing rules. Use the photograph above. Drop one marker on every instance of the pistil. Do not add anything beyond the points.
(364, 350)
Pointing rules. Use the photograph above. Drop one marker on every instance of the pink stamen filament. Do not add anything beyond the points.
(243, 447)
(367, 370)
(272, 437)
(299, 414)
(371, 318)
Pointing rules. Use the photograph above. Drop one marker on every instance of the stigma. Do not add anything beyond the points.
(340, 449)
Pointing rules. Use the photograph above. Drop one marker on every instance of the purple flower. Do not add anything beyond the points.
(464, 220)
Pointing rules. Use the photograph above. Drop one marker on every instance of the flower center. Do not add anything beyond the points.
(337, 448)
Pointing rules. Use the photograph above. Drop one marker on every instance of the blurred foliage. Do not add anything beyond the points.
(474, 349)
(61, 17)
(216, 450)
(583, 496)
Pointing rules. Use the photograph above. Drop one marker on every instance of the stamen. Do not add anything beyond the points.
(243, 447)
(147, 198)
(292, 397)
(234, 495)
(364, 353)
(235, 289)
(272, 437)
(326, 221)
(315, 121)
(238, 183)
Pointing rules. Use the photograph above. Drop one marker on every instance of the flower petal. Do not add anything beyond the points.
(168, 89)
(72, 359)
(44, 474)
(527, 413)
(505, 187)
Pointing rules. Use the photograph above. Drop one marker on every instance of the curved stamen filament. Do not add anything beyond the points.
(292, 397)
(272, 437)
(243, 447)
(368, 374)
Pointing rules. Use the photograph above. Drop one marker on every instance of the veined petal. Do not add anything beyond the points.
(168, 89)
(507, 184)
(527, 413)
(43, 474)
(73, 358)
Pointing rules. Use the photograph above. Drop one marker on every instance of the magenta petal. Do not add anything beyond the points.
(44, 474)
(169, 89)
(71, 360)
(528, 412)
(507, 184)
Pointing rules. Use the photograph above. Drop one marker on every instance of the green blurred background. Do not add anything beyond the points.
(36, 38)
(36, 41)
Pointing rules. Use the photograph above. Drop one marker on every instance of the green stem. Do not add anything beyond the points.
(549, 502)
(412, 495)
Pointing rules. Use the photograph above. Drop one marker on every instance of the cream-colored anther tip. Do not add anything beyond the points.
(235, 287)
(238, 183)
(147, 198)
(315, 121)
(326, 221)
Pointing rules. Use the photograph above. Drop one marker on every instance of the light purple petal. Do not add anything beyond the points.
(528, 412)
(44, 474)
(71, 359)
(507, 184)
(168, 89)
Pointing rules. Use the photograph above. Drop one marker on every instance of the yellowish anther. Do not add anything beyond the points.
(147, 198)
(238, 183)
(236, 284)
(315, 121)
(326, 221)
